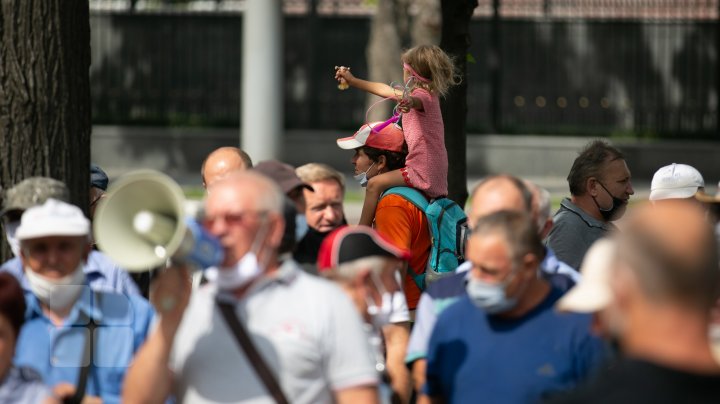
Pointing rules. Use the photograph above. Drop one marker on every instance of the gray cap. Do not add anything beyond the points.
(34, 191)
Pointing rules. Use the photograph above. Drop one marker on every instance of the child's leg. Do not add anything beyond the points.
(375, 187)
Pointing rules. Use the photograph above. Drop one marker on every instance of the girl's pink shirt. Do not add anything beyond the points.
(426, 165)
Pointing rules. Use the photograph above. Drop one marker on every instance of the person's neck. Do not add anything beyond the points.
(672, 337)
(536, 292)
(587, 204)
(56, 316)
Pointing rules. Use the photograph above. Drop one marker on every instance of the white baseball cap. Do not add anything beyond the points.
(53, 218)
(593, 292)
(676, 181)
(388, 138)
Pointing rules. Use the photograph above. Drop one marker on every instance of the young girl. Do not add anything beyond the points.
(429, 73)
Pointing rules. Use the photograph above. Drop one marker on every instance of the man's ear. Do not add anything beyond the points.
(624, 285)
(23, 258)
(545, 230)
(591, 186)
(277, 230)
(381, 162)
(86, 251)
(530, 263)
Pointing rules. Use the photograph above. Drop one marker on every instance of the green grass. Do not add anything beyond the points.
(194, 193)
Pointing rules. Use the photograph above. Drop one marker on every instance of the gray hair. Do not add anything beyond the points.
(315, 172)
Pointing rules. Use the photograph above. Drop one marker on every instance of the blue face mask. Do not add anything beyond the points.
(490, 297)
(362, 177)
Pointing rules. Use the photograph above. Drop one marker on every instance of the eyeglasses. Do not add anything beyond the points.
(232, 219)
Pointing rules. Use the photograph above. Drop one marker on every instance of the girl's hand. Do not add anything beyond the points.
(343, 76)
(405, 105)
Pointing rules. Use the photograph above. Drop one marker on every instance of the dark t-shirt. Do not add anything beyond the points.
(635, 381)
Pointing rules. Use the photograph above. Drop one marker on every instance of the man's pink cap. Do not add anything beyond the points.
(389, 138)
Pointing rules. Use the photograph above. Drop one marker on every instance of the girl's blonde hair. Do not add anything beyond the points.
(430, 62)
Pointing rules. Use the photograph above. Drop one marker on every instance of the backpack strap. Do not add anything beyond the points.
(87, 365)
(413, 196)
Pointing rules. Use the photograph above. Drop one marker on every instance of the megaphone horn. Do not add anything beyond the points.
(140, 224)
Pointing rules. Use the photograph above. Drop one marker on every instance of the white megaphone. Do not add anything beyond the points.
(141, 224)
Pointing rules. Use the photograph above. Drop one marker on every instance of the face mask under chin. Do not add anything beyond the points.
(57, 293)
(609, 214)
(246, 269)
(380, 315)
(362, 177)
(14, 243)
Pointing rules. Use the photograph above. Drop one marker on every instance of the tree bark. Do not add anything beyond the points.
(455, 41)
(387, 30)
(45, 94)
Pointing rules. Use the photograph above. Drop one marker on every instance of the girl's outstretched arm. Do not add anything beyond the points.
(379, 89)
(376, 186)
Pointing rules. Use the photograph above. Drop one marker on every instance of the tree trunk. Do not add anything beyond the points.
(387, 30)
(45, 94)
(455, 41)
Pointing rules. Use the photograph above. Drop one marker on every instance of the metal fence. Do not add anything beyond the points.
(639, 67)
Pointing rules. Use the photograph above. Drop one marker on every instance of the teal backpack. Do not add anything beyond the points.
(448, 232)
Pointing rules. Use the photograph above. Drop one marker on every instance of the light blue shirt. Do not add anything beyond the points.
(23, 385)
(101, 272)
(56, 352)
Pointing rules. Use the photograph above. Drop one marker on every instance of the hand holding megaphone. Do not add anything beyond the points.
(141, 224)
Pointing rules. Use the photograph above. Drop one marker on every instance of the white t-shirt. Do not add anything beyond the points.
(305, 327)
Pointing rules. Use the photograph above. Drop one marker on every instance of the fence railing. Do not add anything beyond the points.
(558, 72)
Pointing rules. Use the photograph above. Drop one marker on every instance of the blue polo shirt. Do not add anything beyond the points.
(473, 356)
(446, 291)
(100, 271)
(56, 352)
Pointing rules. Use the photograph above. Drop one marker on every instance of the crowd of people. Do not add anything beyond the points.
(575, 307)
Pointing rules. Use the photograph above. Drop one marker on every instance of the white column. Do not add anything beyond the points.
(262, 79)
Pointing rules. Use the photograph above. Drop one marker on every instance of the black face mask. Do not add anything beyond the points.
(617, 203)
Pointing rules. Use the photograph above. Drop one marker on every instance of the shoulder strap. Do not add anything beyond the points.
(77, 398)
(411, 194)
(254, 357)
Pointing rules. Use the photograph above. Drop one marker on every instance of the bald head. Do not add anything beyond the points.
(223, 161)
(671, 250)
(496, 193)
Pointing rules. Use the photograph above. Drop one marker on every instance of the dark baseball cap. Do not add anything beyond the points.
(98, 178)
(349, 243)
(283, 174)
(33, 191)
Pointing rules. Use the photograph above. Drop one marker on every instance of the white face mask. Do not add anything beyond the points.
(301, 227)
(10, 229)
(380, 315)
(490, 297)
(245, 270)
(60, 293)
(362, 177)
